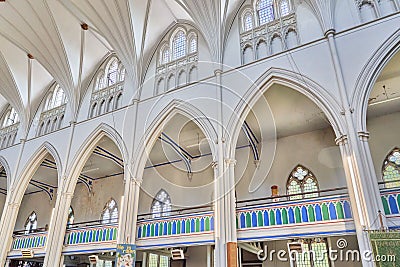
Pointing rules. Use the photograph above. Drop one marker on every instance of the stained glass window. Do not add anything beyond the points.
(31, 223)
(158, 261)
(10, 118)
(248, 22)
(265, 10)
(314, 254)
(71, 216)
(284, 8)
(56, 99)
(161, 205)
(110, 212)
(112, 73)
(391, 169)
(179, 45)
(302, 180)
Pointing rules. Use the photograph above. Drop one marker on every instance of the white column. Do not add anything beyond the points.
(11, 213)
(357, 197)
(57, 229)
(219, 218)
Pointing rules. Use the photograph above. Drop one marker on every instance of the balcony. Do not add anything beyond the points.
(35, 241)
(91, 236)
(191, 226)
(287, 216)
(390, 195)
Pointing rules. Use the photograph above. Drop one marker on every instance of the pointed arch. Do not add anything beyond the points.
(31, 223)
(161, 205)
(6, 167)
(20, 185)
(154, 130)
(302, 180)
(391, 169)
(368, 76)
(110, 212)
(86, 149)
(304, 85)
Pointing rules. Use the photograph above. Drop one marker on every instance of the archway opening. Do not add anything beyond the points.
(35, 214)
(96, 205)
(383, 124)
(295, 181)
(175, 202)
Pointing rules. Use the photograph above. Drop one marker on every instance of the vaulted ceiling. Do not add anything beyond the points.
(61, 50)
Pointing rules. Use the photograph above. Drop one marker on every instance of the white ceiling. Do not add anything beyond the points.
(50, 31)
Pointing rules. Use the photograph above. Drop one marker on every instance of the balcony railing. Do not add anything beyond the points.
(36, 239)
(178, 222)
(330, 205)
(91, 232)
(390, 195)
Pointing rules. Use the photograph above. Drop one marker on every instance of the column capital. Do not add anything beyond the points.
(218, 72)
(136, 181)
(330, 32)
(341, 140)
(230, 161)
(14, 204)
(364, 136)
(214, 164)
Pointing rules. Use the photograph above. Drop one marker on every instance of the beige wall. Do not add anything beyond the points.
(384, 136)
(315, 150)
(89, 206)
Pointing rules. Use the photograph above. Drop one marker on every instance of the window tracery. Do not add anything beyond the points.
(108, 89)
(110, 212)
(300, 182)
(31, 223)
(391, 169)
(52, 116)
(269, 21)
(178, 52)
(9, 129)
(161, 205)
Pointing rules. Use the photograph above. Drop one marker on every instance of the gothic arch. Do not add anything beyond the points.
(368, 76)
(86, 150)
(154, 130)
(304, 85)
(31, 167)
(4, 164)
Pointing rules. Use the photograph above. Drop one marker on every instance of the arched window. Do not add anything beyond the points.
(31, 223)
(71, 216)
(391, 169)
(122, 74)
(193, 44)
(302, 180)
(265, 11)
(100, 82)
(56, 98)
(284, 8)
(110, 212)
(165, 56)
(179, 45)
(10, 118)
(112, 73)
(161, 205)
(248, 22)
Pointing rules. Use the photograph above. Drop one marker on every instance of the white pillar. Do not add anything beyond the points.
(57, 229)
(357, 197)
(11, 213)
